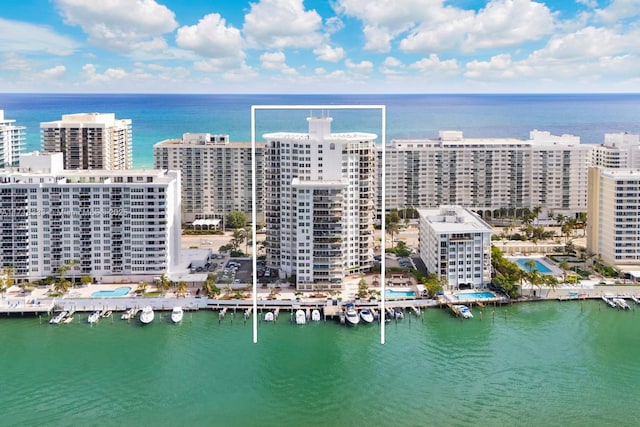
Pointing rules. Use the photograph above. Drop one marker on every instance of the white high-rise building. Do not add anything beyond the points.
(488, 174)
(613, 228)
(12, 140)
(117, 225)
(89, 141)
(216, 174)
(455, 244)
(619, 151)
(319, 204)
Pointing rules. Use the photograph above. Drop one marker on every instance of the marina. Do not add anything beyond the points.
(501, 354)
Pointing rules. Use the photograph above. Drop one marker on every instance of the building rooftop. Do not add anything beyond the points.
(455, 219)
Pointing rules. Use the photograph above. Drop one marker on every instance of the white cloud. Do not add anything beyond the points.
(91, 73)
(211, 37)
(501, 23)
(18, 36)
(333, 25)
(54, 73)
(619, 10)
(588, 3)
(282, 23)
(361, 68)
(508, 23)
(433, 65)
(384, 20)
(276, 61)
(328, 53)
(499, 66)
(121, 25)
(390, 61)
(433, 26)
(14, 62)
(590, 42)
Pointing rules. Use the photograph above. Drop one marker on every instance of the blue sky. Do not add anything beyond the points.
(313, 46)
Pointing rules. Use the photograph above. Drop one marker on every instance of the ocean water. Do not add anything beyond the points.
(159, 117)
(533, 364)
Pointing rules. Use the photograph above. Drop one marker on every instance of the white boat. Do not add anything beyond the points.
(351, 314)
(106, 313)
(366, 315)
(609, 302)
(635, 299)
(57, 318)
(268, 317)
(301, 317)
(620, 302)
(315, 315)
(398, 313)
(176, 314)
(94, 317)
(147, 314)
(464, 311)
(128, 314)
(69, 317)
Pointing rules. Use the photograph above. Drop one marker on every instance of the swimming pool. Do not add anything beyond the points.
(399, 294)
(118, 292)
(541, 267)
(470, 296)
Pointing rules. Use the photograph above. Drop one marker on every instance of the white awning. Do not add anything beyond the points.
(207, 222)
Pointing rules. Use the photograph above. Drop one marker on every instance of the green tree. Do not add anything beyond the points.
(236, 219)
(564, 265)
(392, 225)
(164, 284)
(86, 280)
(210, 287)
(363, 289)
(6, 278)
(142, 288)
(181, 289)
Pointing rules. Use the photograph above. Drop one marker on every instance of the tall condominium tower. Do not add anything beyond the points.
(488, 174)
(12, 141)
(89, 140)
(619, 151)
(613, 229)
(319, 204)
(216, 174)
(117, 225)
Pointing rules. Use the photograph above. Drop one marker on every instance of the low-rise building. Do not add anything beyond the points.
(455, 244)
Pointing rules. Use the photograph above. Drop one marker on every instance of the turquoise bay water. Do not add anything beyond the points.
(549, 363)
(118, 292)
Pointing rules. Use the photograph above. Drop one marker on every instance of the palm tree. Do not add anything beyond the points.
(564, 265)
(142, 288)
(6, 279)
(164, 284)
(72, 267)
(533, 276)
(210, 287)
(62, 285)
(181, 289)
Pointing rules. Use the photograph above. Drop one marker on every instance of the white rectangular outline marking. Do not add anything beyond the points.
(383, 138)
